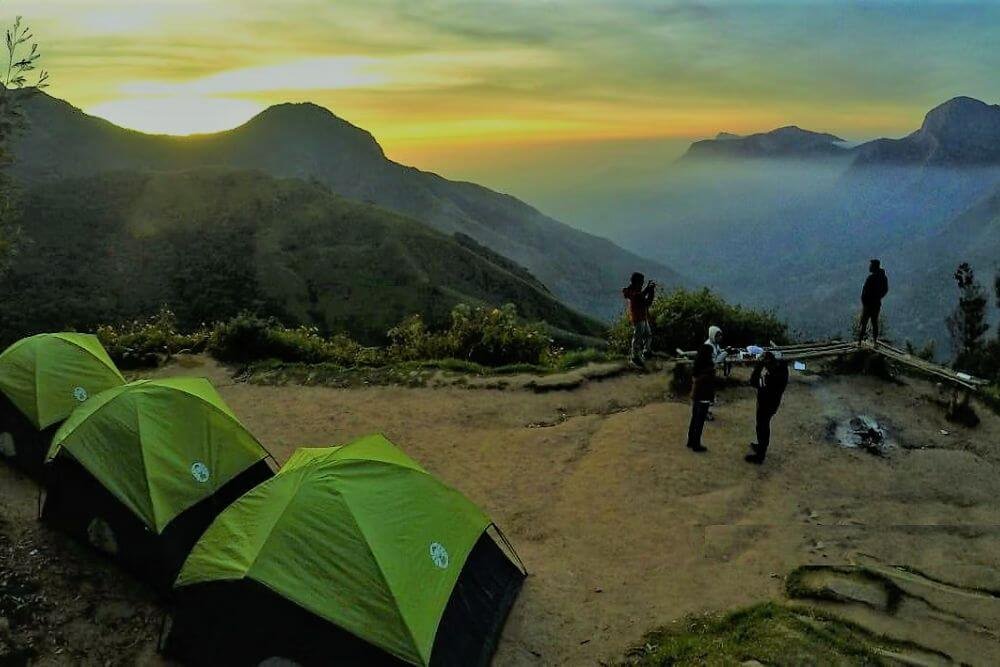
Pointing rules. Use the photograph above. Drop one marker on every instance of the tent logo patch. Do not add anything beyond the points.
(80, 394)
(439, 555)
(200, 472)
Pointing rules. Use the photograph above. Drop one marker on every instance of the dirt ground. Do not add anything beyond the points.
(621, 527)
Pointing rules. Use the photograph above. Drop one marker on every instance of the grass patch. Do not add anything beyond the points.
(405, 373)
(770, 633)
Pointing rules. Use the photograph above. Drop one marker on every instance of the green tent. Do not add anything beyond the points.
(47, 376)
(158, 446)
(360, 536)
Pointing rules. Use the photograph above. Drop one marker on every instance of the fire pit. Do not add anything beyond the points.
(862, 432)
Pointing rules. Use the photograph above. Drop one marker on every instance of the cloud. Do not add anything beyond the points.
(421, 71)
(645, 67)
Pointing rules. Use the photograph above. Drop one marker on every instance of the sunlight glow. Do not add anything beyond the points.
(177, 115)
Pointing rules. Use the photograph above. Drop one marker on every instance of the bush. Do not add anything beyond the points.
(248, 337)
(477, 337)
(681, 319)
(487, 336)
(146, 342)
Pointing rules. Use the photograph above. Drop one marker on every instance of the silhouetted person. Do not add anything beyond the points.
(875, 289)
(639, 300)
(769, 377)
(703, 386)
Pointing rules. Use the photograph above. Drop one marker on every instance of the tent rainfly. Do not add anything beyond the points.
(43, 379)
(139, 471)
(349, 555)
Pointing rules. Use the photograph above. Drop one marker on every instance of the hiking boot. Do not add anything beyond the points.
(698, 448)
(754, 458)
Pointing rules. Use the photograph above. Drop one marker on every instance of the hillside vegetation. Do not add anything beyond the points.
(209, 244)
(307, 141)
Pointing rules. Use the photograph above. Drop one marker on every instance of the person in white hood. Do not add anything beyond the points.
(715, 342)
(703, 386)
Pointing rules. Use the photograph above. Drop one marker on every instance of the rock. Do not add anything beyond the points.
(751, 663)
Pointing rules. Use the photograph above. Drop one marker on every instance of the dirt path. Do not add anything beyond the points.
(624, 529)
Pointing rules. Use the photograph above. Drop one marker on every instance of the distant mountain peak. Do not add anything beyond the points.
(295, 110)
(299, 114)
(794, 131)
(312, 126)
(788, 142)
(962, 116)
(962, 131)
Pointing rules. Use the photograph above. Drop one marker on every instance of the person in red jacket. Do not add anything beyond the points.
(639, 300)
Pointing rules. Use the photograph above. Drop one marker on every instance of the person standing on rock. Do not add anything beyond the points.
(703, 386)
(769, 378)
(639, 300)
(875, 288)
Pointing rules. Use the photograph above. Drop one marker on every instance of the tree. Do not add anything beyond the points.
(967, 324)
(22, 64)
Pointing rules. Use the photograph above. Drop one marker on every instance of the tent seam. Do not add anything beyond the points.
(61, 447)
(228, 415)
(385, 580)
(145, 469)
(38, 409)
(75, 344)
(270, 532)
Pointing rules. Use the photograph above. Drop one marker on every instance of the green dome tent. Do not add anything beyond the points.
(351, 553)
(141, 470)
(42, 380)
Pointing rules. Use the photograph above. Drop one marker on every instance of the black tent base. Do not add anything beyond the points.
(478, 607)
(245, 623)
(21, 444)
(77, 504)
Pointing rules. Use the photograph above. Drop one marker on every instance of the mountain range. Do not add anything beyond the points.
(788, 219)
(309, 142)
(961, 132)
(784, 142)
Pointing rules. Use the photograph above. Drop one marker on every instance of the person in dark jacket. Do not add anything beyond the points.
(639, 300)
(703, 386)
(875, 289)
(769, 378)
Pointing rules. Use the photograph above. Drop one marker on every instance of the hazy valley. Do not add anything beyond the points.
(788, 219)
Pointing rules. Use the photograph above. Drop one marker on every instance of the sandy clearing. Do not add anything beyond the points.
(624, 529)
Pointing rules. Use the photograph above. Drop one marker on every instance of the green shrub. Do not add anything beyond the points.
(248, 337)
(680, 319)
(143, 343)
(487, 336)
(478, 337)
